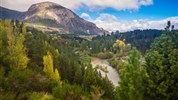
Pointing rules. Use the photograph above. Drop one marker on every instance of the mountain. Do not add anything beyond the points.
(10, 14)
(53, 15)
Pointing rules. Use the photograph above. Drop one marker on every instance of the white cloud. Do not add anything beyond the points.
(107, 17)
(123, 25)
(85, 16)
(23, 5)
(106, 21)
(145, 2)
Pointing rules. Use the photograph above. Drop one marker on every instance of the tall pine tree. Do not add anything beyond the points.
(131, 85)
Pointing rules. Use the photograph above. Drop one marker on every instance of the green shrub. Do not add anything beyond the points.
(116, 63)
(69, 92)
(104, 55)
(40, 96)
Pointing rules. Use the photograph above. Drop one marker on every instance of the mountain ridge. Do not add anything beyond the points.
(6, 13)
(53, 15)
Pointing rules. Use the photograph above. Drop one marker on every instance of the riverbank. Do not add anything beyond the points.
(112, 74)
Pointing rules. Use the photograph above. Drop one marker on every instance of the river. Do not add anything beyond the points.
(112, 74)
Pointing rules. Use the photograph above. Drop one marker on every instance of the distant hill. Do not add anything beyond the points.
(141, 39)
(53, 15)
(10, 14)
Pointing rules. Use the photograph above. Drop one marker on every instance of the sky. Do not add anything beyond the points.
(112, 15)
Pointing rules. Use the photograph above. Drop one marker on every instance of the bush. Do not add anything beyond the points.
(104, 55)
(26, 80)
(68, 92)
(116, 63)
(40, 96)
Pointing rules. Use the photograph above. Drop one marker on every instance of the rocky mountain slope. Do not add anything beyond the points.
(53, 15)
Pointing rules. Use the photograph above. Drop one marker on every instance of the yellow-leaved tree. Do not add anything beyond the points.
(49, 69)
(16, 51)
(23, 28)
(119, 45)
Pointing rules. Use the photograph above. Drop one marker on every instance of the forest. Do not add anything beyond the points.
(39, 66)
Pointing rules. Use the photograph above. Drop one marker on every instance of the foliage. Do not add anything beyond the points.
(35, 65)
(141, 39)
(104, 55)
(131, 85)
(23, 28)
(69, 92)
(116, 63)
(40, 96)
(119, 43)
(19, 49)
(13, 52)
(97, 93)
(162, 62)
(17, 52)
(49, 69)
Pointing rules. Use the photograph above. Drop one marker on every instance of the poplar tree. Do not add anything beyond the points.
(49, 69)
(17, 56)
(119, 45)
(14, 50)
(23, 28)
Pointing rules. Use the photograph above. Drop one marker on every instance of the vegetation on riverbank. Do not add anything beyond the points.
(35, 65)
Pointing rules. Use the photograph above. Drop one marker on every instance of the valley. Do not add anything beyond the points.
(54, 51)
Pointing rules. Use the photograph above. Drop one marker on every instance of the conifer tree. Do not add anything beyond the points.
(131, 85)
(96, 93)
(162, 67)
(78, 75)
